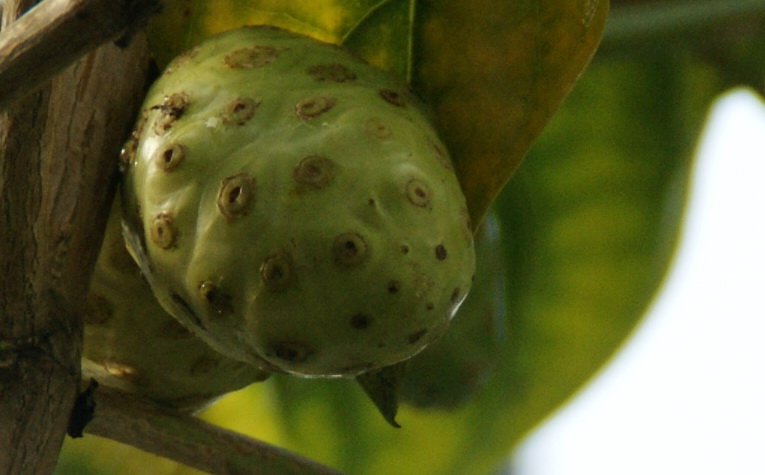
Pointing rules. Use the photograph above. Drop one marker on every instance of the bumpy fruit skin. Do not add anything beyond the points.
(131, 343)
(294, 206)
(449, 372)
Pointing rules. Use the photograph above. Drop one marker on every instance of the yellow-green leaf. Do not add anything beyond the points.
(496, 71)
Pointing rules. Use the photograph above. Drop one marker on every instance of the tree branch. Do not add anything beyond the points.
(186, 439)
(55, 33)
(58, 161)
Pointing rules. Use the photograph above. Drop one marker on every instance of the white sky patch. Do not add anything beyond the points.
(687, 394)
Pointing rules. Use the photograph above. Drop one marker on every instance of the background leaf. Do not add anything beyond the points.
(495, 72)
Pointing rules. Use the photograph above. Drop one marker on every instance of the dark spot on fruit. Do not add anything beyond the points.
(334, 72)
(240, 110)
(381, 345)
(430, 306)
(98, 310)
(204, 364)
(236, 193)
(181, 304)
(291, 351)
(361, 321)
(393, 286)
(392, 97)
(315, 170)
(171, 109)
(376, 128)
(455, 295)
(276, 272)
(404, 249)
(169, 158)
(252, 57)
(418, 192)
(371, 202)
(163, 232)
(313, 107)
(440, 252)
(416, 336)
(214, 298)
(349, 249)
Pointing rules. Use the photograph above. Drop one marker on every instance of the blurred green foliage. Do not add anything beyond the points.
(589, 222)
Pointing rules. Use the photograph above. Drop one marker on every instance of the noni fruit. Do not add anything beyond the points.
(294, 206)
(132, 343)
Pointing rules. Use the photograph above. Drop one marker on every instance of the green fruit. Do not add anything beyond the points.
(294, 207)
(132, 344)
(447, 373)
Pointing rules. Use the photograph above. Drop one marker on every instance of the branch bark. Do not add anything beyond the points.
(55, 33)
(189, 440)
(58, 159)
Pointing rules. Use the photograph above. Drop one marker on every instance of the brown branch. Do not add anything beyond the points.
(189, 440)
(55, 33)
(58, 150)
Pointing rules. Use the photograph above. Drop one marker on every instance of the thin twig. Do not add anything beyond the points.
(55, 33)
(186, 439)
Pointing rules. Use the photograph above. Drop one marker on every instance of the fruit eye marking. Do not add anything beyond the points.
(236, 193)
(313, 107)
(169, 158)
(163, 232)
(418, 192)
(276, 272)
(218, 301)
(251, 58)
(291, 351)
(334, 72)
(361, 321)
(315, 170)
(392, 97)
(240, 110)
(349, 249)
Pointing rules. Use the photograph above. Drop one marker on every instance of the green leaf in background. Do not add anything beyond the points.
(496, 71)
